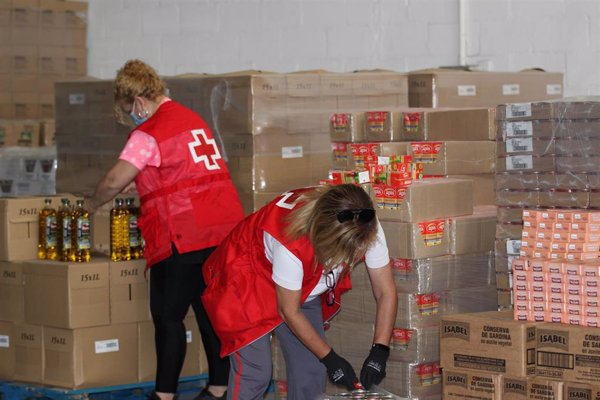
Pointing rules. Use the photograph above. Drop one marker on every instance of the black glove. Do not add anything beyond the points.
(339, 371)
(373, 369)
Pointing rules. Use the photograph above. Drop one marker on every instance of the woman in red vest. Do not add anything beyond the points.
(283, 270)
(188, 205)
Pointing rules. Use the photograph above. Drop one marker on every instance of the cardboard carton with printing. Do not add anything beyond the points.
(12, 292)
(129, 292)
(530, 388)
(488, 341)
(459, 385)
(91, 357)
(29, 351)
(67, 295)
(473, 233)
(7, 351)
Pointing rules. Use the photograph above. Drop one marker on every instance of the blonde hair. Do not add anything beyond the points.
(136, 79)
(335, 243)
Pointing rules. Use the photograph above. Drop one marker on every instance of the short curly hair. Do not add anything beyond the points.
(136, 78)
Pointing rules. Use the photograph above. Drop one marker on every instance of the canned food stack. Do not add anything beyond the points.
(547, 159)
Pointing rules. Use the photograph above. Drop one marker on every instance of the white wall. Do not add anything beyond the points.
(179, 36)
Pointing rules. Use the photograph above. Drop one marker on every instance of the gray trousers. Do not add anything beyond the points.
(252, 366)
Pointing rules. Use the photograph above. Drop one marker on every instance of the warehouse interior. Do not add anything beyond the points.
(473, 127)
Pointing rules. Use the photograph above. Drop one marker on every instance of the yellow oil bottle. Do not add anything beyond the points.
(135, 238)
(65, 231)
(119, 232)
(81, 241)
(48, 238)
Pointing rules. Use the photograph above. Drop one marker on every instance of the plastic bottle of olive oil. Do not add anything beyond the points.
(119, 232)
(81, 232)
(48, 238)
(135, 237)
(65, 231)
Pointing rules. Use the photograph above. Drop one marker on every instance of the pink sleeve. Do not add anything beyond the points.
(141, 150)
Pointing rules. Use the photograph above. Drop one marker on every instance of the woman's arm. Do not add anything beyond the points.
(117, 178)
(288, 303)
(384, 292)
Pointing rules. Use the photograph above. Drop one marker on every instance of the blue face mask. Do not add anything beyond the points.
(137, 120)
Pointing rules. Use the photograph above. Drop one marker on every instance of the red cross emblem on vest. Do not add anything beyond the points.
(204, 149)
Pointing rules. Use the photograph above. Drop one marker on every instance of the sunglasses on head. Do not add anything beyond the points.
(363, 215)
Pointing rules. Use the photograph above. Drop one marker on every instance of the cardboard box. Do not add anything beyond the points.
(459, 385)
(484, 190)
(521, 388)
(468, 157)
(488, 341)
(129, 292)
(19, 227)
(568, 353)
(473, 233)
(456, 88)
(91, 357)
(7, 351)
(67, 295)
(465, 124)
(577, 390)
(195, 359)
(410, 240)
(12, 300)
(29, 351)
(430, 199)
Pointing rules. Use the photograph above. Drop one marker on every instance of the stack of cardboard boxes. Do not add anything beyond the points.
(74, 325)
(492, 356)
(43, 41)
(547, 158)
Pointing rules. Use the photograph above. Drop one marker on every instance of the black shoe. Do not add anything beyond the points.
(154, 396)
(206, 395)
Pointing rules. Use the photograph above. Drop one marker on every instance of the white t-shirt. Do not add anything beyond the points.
(288, 271)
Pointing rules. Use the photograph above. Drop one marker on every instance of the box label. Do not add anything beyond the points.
(518, 128)
(107, 346)
(4, 341)
(518, 145)
(518, 110)
(513, 246)
(519, 162)
(292, 152)
(554, 89)
(188, 336)
(467, 90)
(511, 89)
(482, 363)
(76, 99)
(376, 120)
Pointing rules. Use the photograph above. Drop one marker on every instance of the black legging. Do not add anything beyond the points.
(175, 284)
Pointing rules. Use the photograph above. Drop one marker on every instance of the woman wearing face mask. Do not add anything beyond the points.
(188, 205)
(283, 270)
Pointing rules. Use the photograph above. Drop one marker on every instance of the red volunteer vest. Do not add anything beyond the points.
(189, 200)
(240, 297)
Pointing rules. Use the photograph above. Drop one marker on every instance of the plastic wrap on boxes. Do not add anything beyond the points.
(508, 214)
(517, 198)
(473, 233)
(564, 199)
(444, 273)
(508, 230)
(564, 181)
(27, 171)
(419, 309)
(517, 181)
(407, 345)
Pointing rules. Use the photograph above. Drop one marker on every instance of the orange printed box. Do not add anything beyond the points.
(529, 215)
(559, 246)
(543, 234)
(569, 268)
(562, 226)
(556, 308)
(573, 280)
(546, 215)
(590, 297)
(554, 293)
(520, 264)
(543, 245)
(584, 256)
(537, 291)
(557, 255)
(520, 277)
(521, 315)
(536, 265)
(552, 267)
(590, 281)
(526, 252)
(584, 236)
(541, 254)
(582, 247)
(585, 216)
(593, 322)
(553, 277)
(572, 319)
(537, 296)
(590, 269)
(574, 309)
(574, 300)
(528, 233)
(530, 242)
(536, 316)
(520, 294)
(530, 224)
(545, 225)
(560, 236)
(585, 227)
(536, 276)
(564, 216)
(521, 304)
(539, 306)
(590, 311)
(557, 318)
(572, 291)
